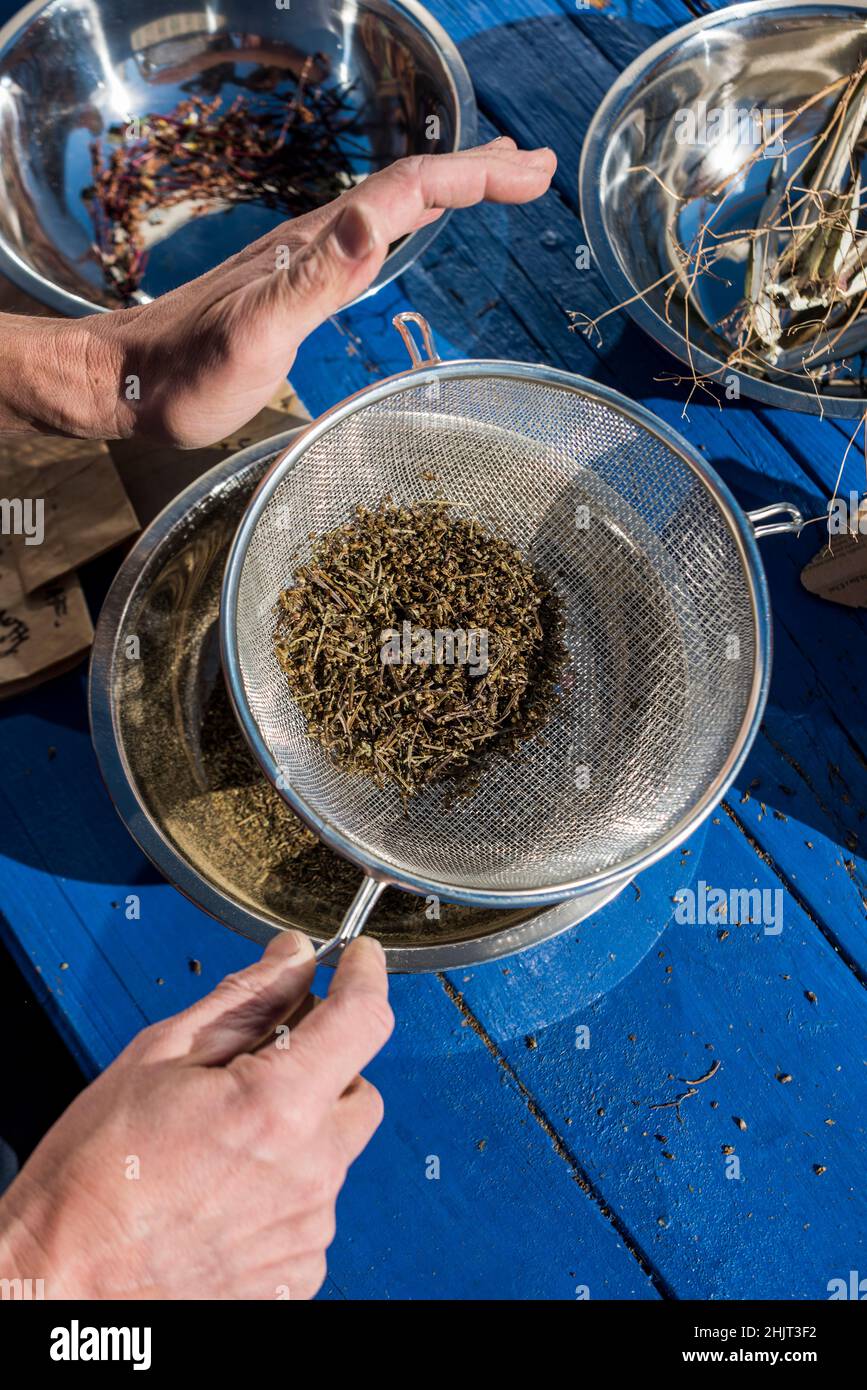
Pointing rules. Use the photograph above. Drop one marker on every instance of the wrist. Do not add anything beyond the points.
(64, 376)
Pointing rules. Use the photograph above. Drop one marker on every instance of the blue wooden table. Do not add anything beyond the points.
(514, 1161)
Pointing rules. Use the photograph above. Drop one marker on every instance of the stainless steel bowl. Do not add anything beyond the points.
(70, 69)
(149, 704)
(765, 56)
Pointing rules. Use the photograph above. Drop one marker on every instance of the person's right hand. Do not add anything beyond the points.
(205, 1162)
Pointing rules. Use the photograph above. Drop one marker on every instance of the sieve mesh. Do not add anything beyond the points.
(660, 625)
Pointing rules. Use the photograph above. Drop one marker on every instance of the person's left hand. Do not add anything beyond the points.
(209, 355)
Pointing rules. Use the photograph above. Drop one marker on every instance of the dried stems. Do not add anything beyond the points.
(289, 151)
(805, 287)
(416, 571)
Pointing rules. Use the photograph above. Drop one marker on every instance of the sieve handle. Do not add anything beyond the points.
(402, 323)
(777, 528)
(355, 920)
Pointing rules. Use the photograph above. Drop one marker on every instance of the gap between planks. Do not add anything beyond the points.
(558, 1143)
(829, 936)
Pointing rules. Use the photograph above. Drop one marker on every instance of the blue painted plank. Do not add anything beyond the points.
(780, 1229)
(68, 868)
(505, 1217)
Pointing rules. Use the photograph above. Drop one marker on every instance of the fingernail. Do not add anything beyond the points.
(372, 945)
(353, 234)
(289, 943)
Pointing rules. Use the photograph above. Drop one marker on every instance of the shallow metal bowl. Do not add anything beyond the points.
(70, 69)
(769, 56)
(148, 709)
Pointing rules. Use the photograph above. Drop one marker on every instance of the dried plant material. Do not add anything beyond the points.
(700, 1080)
(676, 1103)
(419, 645)
(284, 150)
(274, 846)
(803, 307)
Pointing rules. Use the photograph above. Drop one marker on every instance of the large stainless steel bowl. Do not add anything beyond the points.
(149, 717)
(638, 178)
(70, 69)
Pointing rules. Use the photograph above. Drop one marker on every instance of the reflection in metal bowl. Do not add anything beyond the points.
(73, 69)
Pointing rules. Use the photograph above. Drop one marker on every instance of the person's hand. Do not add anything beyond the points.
(200, 362)
(205, 1162)
(209, 355)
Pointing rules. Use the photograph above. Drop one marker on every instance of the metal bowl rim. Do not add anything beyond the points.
(119, 782)
(742, 533)
(407, 253)
(593, 153)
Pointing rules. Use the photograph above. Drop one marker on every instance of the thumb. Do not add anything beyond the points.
(244, 1009)
(335, 267)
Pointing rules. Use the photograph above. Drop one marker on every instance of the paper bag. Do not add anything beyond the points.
(41, 634)
(84, 507)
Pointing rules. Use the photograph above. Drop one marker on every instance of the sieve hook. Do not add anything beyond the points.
(355, 920)
(402, 323)
(777, 528)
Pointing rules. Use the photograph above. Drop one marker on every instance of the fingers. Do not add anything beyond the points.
(242, 1011)
(334, 1042)
(314, 222)
(395, 197)
(353, 234)
(432, 215)
(283, 306)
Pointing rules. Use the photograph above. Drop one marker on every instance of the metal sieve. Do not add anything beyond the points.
(667, 627)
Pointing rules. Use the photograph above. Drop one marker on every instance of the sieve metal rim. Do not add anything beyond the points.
(738, 523)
